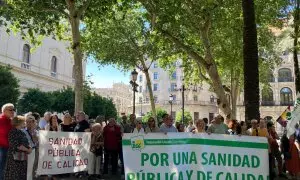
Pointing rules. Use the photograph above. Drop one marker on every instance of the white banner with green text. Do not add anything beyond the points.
(186, 156)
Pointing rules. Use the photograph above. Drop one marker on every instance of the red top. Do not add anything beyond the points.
(112, 137)
(5, 127)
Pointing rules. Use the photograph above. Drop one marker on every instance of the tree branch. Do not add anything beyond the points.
(53, 10)
(186, 48)
(206, 79)
(84, 7)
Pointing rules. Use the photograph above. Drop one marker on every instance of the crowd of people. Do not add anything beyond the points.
(19, 146)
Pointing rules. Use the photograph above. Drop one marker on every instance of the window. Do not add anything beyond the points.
(196, 116)
(195, 98)
(173, 114)
(267, 97)
(141, 78)
(155, 75)
(155, 99)
(53, 66)
(271, 76)
(174, 75)
(155, 65)
(285, 75)
(26, 53)
(147, 99)
(286, 97)
(212, 99)
(174, 98)
(173, 87)
(140, 89)
(140, 100)
(155, 87)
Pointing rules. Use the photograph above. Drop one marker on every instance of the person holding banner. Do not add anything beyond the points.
(151, 128)
(96, 151)
(5, 126)
(218, 127)
(19, 148)
(53, 124)
(138, 127)
(31, 135)
(112, 138)
(200, 126)
(167, 125)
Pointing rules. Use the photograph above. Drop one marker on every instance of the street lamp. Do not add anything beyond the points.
(134, 87)
(171, 98)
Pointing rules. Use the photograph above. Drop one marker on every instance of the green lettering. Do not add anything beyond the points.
(250, 176)
(176, 161)
(193, 158)
(236, 160)
(221, 159)
(180, 177)
(154, 159)
(229, 160)
(150, 176)
(204, 158)
(260, 177)
(209, 175)
(189, 174)
(172, 176)
(212, 159)
(255, 161)
(185, 157)
(219, 174)
(200, 175)
(245, 162)
(145, 157)
(164, 159)
(228, 176)
(130, 176)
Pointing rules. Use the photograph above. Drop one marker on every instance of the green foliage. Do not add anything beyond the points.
(187, 117)
(9, 89)
(159, 113)
(34, 100)
(63, 100)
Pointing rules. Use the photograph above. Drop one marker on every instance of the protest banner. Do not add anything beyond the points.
(187, 156)
(63, 152)
(294, 117)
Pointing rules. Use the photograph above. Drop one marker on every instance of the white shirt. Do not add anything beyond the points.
(138, 131)
(43, 123)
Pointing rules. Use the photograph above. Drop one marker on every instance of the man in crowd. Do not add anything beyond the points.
(112, 138)
(167, 125)
(132, 119)
(5, 126)
(82, 124)
(31, 135)
(43, 122)
(253, 131)
(125, 127)
(218, 127)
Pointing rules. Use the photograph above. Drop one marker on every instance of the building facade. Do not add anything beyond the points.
(121, 95)
(198, 100)
(47, 67)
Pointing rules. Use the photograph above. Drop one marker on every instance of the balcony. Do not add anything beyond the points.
(267, 103)
(285, 79)
(287, 103)
(25, 65)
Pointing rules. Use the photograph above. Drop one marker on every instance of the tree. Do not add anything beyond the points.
(159, 113)
(251, 76)
(190, 28)
(296, 47)
(34, 100)
(125, 40)
(63, 100)
(55, 17)
(187, 117)
(9, 89)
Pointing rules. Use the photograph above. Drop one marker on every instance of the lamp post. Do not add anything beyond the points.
(134, 87)
(171, 102)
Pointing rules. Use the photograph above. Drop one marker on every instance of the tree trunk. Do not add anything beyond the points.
(146, 72)
(250, 52)
(77, 53)
(295, 50)
(234, 93)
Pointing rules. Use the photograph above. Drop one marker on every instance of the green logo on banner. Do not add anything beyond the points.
(137, 143)
(288, 116)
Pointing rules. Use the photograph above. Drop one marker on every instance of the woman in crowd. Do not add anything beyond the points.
(232, 125)
(190, 127)
(67, 125)
(293, 163)
(96, 151)
(180, 127)
(16, 165)
(200, 126)
(151, 128)
(138, 127)
(53, 124)
(241, 128)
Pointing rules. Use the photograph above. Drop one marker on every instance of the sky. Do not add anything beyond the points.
(105, 76)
